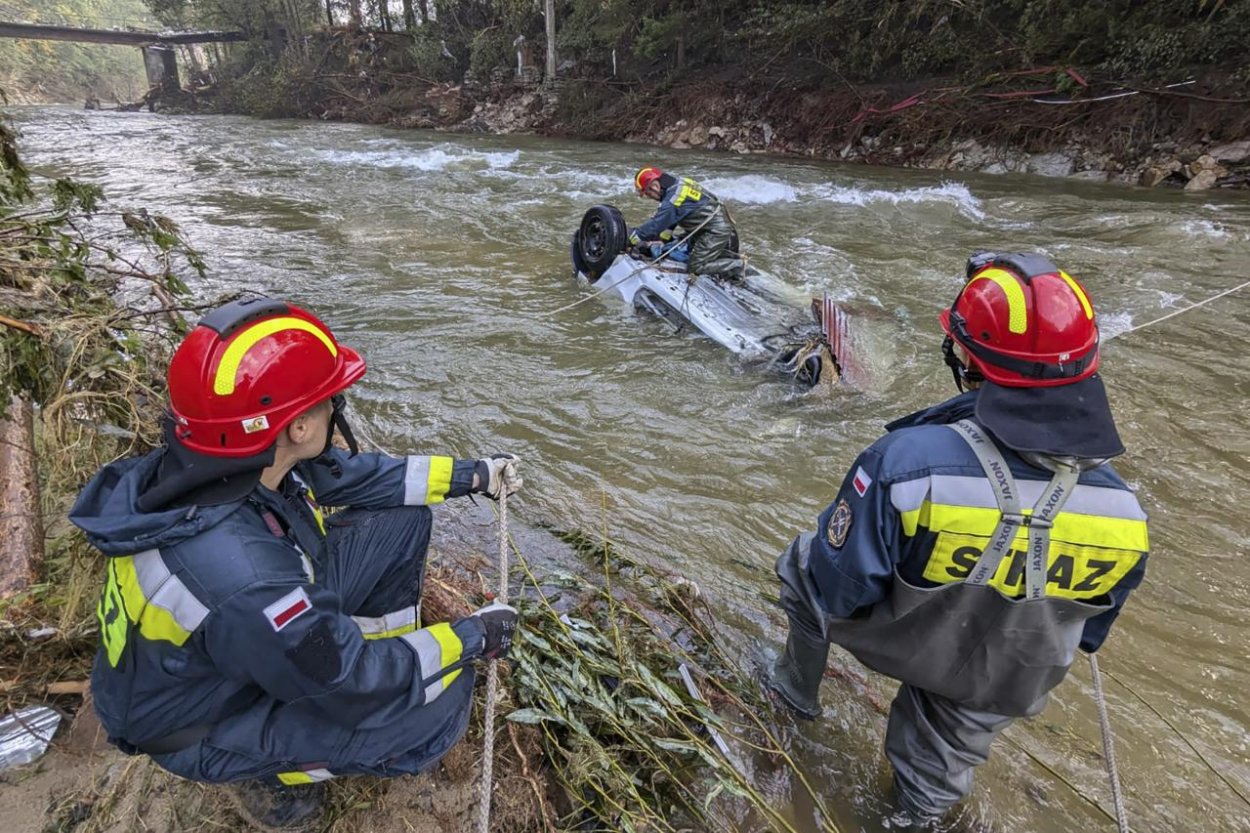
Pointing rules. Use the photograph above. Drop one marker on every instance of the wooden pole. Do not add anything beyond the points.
(21, 527)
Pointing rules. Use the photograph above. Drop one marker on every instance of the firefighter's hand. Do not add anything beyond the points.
(496, 473)
(499, 624)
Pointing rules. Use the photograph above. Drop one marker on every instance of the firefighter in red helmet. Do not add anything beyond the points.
(976, 546)
(710, 240)
(247, 637)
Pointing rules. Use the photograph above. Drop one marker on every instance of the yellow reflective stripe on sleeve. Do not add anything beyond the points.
(154, 599)
(1017, 308)
(451, 648)
(439, 483)
(1073, 571)
(395, 623)
(228, 367)
(427, 480)
(437, 647)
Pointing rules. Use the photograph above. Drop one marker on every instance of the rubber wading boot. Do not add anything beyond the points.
(268, 806)
(797, 674)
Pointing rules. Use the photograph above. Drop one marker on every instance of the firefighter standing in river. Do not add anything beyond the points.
(972, 549)
(245, 636)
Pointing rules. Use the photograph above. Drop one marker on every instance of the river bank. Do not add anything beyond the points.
(1048, 121)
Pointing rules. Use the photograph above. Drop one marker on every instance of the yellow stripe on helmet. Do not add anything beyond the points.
(1080, 294)
(638, 177)
(223, 383)
(1017, 307)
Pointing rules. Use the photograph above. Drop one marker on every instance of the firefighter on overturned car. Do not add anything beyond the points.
(248, 637)
(977, 545)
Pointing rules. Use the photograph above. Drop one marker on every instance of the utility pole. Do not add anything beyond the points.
(549, 12)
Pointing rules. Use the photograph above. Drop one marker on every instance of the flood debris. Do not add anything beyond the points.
(25, 735)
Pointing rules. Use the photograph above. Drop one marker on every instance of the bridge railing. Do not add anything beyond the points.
(11, 14)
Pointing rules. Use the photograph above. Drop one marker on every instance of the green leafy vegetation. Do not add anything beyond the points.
(90, 304)
(59, 71)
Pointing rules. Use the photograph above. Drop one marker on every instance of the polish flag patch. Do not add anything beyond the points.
(287, 609)
(861, 481)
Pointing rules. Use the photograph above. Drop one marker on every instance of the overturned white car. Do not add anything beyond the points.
(754, 317)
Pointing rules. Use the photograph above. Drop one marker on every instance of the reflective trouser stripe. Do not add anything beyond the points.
(437, 648)
(395, 623)
(310, 776)
(427, 480)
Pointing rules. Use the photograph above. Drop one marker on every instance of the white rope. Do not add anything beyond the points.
(663, 256)
(1108, 748)
(1175, 313)
(492, 677)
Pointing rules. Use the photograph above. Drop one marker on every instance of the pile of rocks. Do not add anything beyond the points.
(744, 137)
(1196, 168)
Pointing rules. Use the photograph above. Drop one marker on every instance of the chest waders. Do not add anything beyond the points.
(969, 641)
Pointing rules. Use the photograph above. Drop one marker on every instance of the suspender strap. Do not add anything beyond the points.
(1011, 517)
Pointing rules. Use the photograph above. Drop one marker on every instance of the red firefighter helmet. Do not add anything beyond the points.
(645, 177)
(1024, 322)
(247, 370)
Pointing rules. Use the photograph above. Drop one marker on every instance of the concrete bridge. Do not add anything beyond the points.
(159, 58)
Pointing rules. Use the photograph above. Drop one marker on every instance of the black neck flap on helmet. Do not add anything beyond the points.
(1026, 267)
(188, 478)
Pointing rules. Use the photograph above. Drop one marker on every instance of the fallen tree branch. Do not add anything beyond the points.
(33, 329)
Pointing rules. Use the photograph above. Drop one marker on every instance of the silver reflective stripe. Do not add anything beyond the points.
(430, 658)
(416, 481)
(960, 490)
(910, 495)
(1048, 505)
(165, 590)
(319, 774)
(387, 622)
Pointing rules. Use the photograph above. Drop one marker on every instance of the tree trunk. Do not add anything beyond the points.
(424, 7)
(358, 19)
(410, 16)
(384, 15)
(549, 12)
(21, 527)
(329, 14)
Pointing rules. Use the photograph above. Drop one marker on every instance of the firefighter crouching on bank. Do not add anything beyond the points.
(972, 549)
(245, 636)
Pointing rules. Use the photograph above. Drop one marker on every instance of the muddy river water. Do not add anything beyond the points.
(443, 257)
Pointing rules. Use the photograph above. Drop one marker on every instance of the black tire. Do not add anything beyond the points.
(601, 237)
(575, 254)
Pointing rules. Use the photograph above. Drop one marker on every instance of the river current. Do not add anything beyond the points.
(442, 258)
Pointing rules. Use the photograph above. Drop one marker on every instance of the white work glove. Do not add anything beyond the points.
(497, 473)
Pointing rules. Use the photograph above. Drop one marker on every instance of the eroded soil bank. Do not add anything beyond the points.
(1047, 120)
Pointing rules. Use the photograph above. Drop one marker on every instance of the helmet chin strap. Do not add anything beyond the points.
(963, 373)
(337, 420)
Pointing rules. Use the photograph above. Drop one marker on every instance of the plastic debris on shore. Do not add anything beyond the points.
(25, 735)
